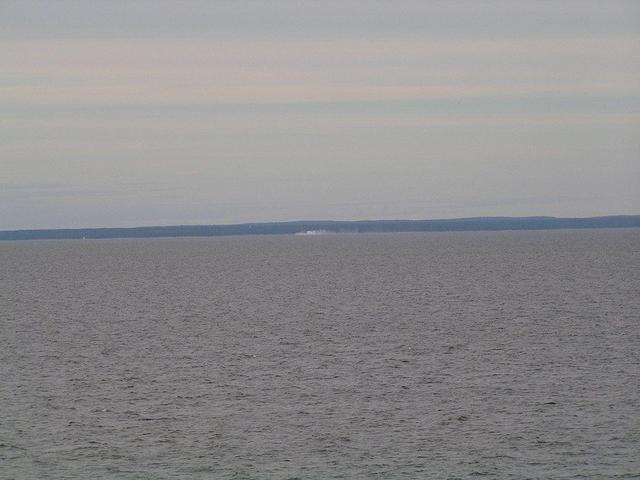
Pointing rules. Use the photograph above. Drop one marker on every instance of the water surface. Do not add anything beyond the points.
(506, 355)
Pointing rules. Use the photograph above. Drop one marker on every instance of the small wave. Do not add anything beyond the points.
(313, 232)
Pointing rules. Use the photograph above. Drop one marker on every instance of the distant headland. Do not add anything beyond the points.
(321, 227)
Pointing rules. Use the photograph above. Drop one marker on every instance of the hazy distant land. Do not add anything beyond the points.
(361, 226)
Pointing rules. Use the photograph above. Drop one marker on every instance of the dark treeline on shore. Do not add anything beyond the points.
(363, 226)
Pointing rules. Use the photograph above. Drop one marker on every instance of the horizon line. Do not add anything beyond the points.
(484, 223)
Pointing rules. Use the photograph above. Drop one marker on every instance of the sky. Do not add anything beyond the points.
(124, 113)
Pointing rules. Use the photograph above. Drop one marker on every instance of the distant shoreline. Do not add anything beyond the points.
(315, 227)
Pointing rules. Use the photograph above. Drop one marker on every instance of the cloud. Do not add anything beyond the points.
(190, 72)
(238, 111)
(233, 19)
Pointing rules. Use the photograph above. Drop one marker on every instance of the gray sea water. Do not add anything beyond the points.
(510, 355)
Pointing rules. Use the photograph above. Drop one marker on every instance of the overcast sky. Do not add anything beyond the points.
(121, 113)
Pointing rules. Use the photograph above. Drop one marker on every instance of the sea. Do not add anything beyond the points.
(494, 355)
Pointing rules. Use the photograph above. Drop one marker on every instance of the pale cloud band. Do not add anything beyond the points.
(152, 72)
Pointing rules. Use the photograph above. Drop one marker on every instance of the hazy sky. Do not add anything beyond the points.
(120, 113)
